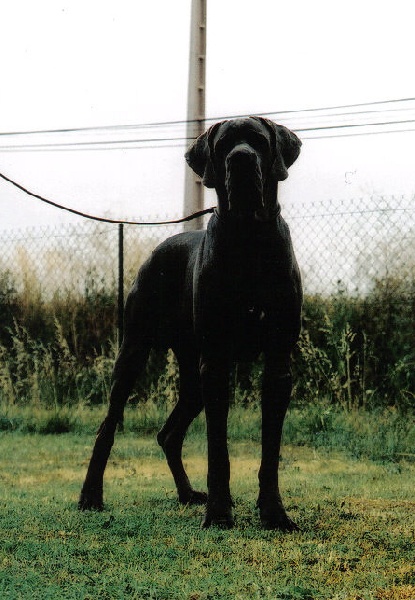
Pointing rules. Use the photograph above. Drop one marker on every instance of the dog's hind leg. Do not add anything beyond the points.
(129, 364)
(172, 435)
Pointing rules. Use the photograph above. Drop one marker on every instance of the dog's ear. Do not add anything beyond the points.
(286, 147)
(199, 156)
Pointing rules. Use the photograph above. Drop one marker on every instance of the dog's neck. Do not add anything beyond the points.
(271, 207)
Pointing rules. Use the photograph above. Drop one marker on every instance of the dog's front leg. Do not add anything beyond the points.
(214, 372)
(276, 393)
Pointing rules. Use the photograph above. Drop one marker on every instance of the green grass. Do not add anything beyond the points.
(383, 435)
(356, 519)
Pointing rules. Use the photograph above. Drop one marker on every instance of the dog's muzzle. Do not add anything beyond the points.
(243, 180)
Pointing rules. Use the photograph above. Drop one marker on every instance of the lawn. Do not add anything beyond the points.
(356, 518)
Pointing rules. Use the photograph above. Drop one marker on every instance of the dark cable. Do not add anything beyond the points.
(195, 215)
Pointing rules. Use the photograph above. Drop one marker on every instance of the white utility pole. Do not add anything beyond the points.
(193, 193)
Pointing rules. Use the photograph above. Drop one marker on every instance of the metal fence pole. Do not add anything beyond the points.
(120, 283)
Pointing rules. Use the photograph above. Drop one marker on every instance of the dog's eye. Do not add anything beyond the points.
(222, 147)
(259, 142)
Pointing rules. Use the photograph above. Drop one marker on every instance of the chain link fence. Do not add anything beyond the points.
(347, 245)
(354, 243)
(61, 291)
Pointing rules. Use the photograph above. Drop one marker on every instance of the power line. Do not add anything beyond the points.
(147, 143)
(353, 125)
(284, 113)
(75, 145)
(356, 134)
(90, 147)
(180, 141)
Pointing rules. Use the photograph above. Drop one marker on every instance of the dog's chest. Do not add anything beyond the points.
(251, 297)
(253, 275)
(246, 281)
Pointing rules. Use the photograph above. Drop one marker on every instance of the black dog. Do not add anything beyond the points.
(217, 296)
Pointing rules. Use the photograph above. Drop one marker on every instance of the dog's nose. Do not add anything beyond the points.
(242, 156)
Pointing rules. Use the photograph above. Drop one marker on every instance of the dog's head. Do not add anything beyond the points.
(243, 159)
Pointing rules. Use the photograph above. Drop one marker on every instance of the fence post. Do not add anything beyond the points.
(120, 283)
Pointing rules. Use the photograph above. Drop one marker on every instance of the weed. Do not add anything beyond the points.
(358, 352)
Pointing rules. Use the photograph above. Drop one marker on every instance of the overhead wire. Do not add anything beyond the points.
(167, 142)
(178, 142)
(307, 131)
(207, 119)
(172, 142)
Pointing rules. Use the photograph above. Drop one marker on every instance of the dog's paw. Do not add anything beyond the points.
(90, 501)
(278, 520)
(219, 517)
(273, 515)
(221, 521)
(193, 497)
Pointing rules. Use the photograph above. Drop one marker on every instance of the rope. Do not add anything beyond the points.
(195, 215)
